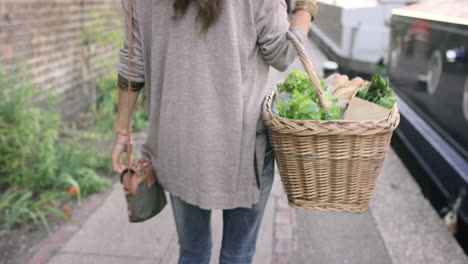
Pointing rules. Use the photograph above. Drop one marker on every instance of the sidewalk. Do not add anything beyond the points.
(400, 227)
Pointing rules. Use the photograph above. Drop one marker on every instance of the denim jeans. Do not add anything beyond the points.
(240, 226)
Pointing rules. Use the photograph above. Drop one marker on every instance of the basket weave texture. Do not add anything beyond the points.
(328, 165)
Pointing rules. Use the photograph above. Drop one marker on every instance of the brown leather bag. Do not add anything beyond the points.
(138, 172)
(144, 195)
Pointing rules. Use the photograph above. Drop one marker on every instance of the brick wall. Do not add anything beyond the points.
(48, 37)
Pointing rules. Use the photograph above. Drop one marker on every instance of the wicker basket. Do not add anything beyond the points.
(328, 165)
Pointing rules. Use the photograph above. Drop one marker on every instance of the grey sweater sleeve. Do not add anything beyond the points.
(137, 71)
(272, 23)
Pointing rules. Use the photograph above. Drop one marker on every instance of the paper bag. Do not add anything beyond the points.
(360, 109)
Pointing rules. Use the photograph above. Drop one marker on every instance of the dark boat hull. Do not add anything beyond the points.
(433, 134)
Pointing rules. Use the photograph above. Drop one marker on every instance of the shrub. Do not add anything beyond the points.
(36, 164)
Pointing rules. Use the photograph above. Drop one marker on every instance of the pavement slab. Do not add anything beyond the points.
(335, 237)
(109, 232)
(70, 258)
(108, 237)
(411, 228)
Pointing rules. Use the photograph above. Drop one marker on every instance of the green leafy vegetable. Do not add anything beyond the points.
(296, 80)
(303, 102)
(299, 107)
(379, 92)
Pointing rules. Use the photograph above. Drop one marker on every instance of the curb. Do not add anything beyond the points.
(51, 245)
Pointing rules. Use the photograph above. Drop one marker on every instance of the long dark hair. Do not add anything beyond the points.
(208, 11)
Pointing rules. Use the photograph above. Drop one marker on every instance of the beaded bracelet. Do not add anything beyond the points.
(308, 6)
(120, 143)
(118, 131)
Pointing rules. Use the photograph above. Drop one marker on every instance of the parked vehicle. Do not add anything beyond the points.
(355, 34)
(429, 70)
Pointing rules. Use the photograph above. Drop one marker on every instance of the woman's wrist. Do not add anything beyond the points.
(122, 137)
(301, 20)
(303, 15)
(308, 6)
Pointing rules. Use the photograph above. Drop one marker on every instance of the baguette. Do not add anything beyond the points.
(348, 92)
(336, 81)
(332, 81)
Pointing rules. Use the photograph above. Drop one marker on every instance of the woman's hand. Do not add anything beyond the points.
(120, 146)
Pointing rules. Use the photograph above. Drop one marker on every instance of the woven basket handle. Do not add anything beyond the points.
(310, 69)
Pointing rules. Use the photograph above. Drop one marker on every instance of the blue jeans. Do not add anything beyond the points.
(240, 226)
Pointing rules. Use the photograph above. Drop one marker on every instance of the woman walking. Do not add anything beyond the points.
(205, 65)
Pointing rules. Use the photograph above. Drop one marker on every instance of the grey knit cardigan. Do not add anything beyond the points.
(205, 94)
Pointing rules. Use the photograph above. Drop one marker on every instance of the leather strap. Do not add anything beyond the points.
(130, 38)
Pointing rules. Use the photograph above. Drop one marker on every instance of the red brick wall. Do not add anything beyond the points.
(47, 37)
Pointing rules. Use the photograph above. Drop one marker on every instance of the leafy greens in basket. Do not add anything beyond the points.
(298, 99)
(379, 92)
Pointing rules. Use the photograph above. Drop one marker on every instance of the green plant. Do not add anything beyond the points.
(105, 28)
(78, 169)
(27, 136)
(36, 164)
(19, 207)
(107, 101)
(90, 182)
(303, 102)
(379, 92)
